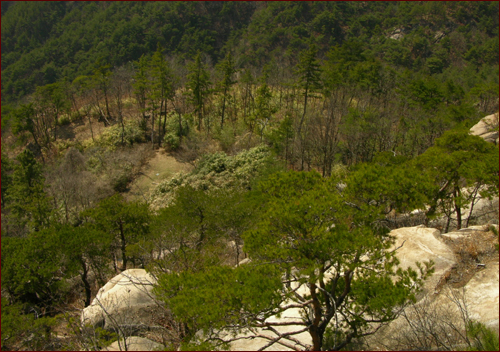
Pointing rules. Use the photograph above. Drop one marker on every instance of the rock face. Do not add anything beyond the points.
(485, 128)
(257, 343)
(466, 232)
(126, 300)
(481, 293)
(436, 309)
(422, 244)
(135, 343)
(397, 34)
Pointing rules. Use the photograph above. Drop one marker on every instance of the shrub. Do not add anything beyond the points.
(64, 120)
(483, 338)
(112, 136)
(174, 133)
(216, 170)
(121, 182)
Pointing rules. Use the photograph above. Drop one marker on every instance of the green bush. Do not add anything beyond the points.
(22, 327)
(112, 136)
(482, 338)
(217, 170)
(174, 133)
(64, 120)
(121, 182)
(171, 141)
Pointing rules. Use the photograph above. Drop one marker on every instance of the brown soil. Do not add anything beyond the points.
(160, 167)
(474, 252)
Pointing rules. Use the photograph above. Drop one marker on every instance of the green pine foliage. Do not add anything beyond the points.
(216, 171)
(376, 96)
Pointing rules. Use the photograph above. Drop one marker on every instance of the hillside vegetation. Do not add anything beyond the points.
(303, 127)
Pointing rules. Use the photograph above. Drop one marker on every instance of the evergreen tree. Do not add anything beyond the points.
(27, 200)
(227, 69)
(124, 222)
(162, 90)
(309, 236)
(459, 160)
(309, 72)
(141, 85)
(199, 87)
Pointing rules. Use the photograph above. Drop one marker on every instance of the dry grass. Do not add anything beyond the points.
(471, 250)
(159, 167)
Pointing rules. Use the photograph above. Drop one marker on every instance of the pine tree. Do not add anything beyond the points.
(199, 87)
(28, 202)
(308, 70)
(228, 70)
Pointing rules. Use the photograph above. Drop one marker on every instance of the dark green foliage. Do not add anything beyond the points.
(123, 222)
(224, 291)
(85, 250)
(7, 167)
(391, 183)
(31, 269)
(70, 37)
(456, 161)
(28, 203)
(309, 73)
(199, 87)
(227, 69)
(483, 338)
(291, 244)
(22, 325)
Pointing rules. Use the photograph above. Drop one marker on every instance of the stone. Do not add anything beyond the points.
(245, 261)
(485, 128)
(126, 300)
(135, 343)
(491, 137)
(422, 244)
(481, 293)
(397, 36)
(257, 343)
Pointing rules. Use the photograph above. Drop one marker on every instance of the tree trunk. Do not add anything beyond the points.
(223, 110)
(304, 113)
(472, 206)
(90, 124)
(86, 284)
(152, 129)
(458, 210)
(123, 245)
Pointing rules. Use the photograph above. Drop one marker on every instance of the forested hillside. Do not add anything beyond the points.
(299, 125)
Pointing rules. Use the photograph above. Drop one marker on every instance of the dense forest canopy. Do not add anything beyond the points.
(45, 42)
(297, 125)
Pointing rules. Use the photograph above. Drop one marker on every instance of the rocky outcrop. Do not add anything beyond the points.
(397, 34)
(467, 232)
(413, 244)
(420, 244)
(441, 309)
(126, 300)
(487, 128)
(135, 343)
(481, 293)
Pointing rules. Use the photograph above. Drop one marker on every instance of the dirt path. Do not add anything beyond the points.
(161, 167)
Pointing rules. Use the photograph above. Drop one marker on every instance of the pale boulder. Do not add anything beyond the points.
(481, 294)
(126, 300)
(485, 128)
(421, 244)
(467, 232)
